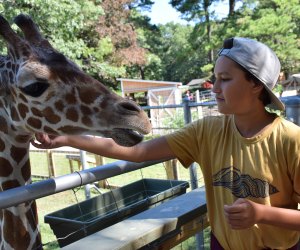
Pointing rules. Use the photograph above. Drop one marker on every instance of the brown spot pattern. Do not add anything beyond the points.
(6, 168)
(36, 112)
(13, 92)
(71, 99)
(23, 98)
(23, 110)
(18, 153)
(50, 116)
(20, 238)
(14, 114)
(50, 131)
(2, 145)
(85, 110)
(72, 114)
(35, 123)
(10, 184)
(25, 51)
(32, 215)
(11, 77)
(96, 109)
(22, 138)
(104, 103)
(87, 96)
(59, 105)
(26, 171)
(3, 125)
(87, 121)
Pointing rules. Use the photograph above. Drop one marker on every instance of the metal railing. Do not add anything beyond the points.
(15, 196)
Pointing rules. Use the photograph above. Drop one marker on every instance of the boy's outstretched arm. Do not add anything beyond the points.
(155, 149)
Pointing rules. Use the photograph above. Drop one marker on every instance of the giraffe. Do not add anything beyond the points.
(42, 91)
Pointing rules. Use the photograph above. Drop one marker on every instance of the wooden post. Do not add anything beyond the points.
(51, 166)
(99, 162)
(172, 169)
(187, 230)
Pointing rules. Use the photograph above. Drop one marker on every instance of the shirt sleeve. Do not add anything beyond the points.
(185, 143)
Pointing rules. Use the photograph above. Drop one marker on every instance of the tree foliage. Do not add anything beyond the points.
(96, 34)
(274, 22)
(114, 38)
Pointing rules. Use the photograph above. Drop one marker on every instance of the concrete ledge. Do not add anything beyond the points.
(148, 226)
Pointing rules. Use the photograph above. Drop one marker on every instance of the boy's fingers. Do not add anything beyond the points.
(233, 208)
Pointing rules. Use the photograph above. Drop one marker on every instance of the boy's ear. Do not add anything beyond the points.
(257, 88)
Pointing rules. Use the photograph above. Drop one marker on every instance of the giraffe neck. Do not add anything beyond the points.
(14, 172)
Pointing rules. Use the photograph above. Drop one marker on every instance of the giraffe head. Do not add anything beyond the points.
(43, 91)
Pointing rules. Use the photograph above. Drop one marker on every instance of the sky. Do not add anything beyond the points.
(162, 12)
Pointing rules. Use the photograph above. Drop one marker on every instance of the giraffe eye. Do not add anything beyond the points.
(36, 89)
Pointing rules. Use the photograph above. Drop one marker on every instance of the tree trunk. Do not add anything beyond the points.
(206, 4)
(231, 7)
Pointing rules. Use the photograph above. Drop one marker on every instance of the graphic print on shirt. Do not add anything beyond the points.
(243, 185)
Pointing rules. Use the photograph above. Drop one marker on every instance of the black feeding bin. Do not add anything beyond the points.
(77, 221)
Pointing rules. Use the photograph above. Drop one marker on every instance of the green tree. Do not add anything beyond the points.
(180, 61)
(274, 22)
(68, 24)
(198, 11)
(87, 31)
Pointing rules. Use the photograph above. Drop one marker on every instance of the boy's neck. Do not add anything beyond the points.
(251, 125)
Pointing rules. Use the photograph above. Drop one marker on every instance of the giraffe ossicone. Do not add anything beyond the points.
(43, 91)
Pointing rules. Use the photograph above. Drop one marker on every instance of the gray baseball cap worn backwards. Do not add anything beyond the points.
(259, 60)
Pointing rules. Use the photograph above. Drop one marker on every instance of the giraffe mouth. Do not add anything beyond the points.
(124, 137)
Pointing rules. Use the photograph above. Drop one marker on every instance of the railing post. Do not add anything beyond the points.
(187, 119)
(187, 111)
(84, 167)
(193, 169)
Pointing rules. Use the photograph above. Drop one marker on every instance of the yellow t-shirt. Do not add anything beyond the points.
(264, 169)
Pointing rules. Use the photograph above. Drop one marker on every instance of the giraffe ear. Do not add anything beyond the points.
(8, 34)
(31, 31)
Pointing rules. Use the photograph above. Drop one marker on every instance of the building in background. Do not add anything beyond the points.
(153, 93)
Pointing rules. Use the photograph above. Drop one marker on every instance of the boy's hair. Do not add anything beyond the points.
(264, 95)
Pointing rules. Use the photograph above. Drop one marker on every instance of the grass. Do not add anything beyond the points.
(61, 200)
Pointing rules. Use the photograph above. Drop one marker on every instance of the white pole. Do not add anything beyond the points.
(84, 167)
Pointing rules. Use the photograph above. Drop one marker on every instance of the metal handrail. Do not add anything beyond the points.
(15, 196)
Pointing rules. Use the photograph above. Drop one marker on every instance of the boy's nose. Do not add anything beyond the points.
(216, 87)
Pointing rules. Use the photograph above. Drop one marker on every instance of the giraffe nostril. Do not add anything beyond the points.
(131, 106)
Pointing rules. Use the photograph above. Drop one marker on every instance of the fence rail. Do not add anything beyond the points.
(15, 196)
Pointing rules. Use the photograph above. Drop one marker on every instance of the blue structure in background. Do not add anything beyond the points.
(292, 108)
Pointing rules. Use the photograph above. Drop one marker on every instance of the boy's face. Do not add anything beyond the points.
(234, 93)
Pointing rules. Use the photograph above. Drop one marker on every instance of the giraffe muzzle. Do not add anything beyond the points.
(124, 137)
